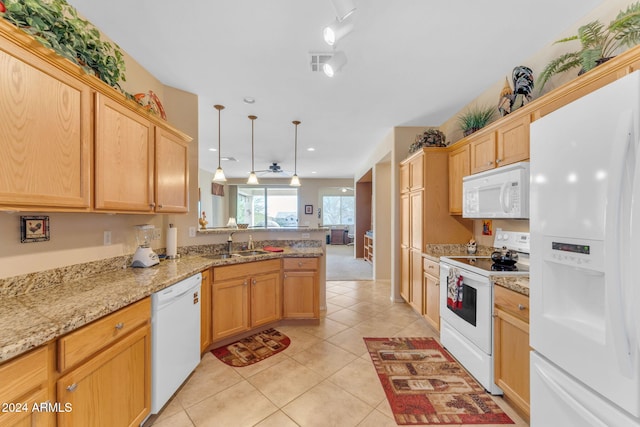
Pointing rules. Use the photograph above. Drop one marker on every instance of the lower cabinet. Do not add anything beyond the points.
(511, 346)
(416, 295)
(244, 296)
(405, 272)
(25, 384)
(432, 293)
(301, 296)
(113, 383)
(205, 311)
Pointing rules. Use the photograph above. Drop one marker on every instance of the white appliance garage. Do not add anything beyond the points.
(585, 296)
(466, 305)
(175, 338)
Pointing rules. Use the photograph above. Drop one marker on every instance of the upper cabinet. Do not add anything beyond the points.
(172, 172)
(45, 134)
(506, 144)
(72, 143)
(411, 174)
(123, 158)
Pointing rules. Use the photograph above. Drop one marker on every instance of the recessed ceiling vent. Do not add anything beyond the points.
(317, 59)
(229, 159)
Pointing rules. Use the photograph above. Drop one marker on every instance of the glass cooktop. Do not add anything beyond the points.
(486, 264)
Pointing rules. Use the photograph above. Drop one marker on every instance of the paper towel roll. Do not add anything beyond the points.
(172, 242)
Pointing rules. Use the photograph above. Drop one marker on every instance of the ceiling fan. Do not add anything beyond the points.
(275, 171)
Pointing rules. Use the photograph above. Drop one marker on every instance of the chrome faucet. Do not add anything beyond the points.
(230, 242)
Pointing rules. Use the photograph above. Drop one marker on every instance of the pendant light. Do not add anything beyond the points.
(219, 176)
(253, 179)
(295, 181)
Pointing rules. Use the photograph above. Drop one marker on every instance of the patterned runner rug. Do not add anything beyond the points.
(252, 349)
(424, 384)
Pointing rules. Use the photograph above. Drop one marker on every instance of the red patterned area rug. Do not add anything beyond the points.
(252, 349)
(424, 384)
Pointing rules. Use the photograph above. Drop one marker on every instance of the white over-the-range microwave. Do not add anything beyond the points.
(497, 193)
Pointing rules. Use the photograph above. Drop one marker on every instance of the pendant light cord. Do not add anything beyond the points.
(219, 108)
(295, 153)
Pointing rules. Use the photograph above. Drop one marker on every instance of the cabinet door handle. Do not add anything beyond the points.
(498, 160)
(253, 282)
(489, 163)
(72, 387)
(119, 325)
(245, 282)
(285, 275)
(152, 205)
(521, 307)
(299, 263)
(161, 206)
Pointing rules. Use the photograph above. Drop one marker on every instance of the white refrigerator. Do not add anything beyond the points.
(585, 249)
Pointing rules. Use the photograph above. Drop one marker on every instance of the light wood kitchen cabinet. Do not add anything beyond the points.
(425, 219)
(459, 167)
(511, 346)
(45, 134)
(482, 151)
(432, 293)
(412, 174)
(301, 294)
(234, 304)
(205, 311)
(416, 294)
(508, 143)
(114, 383)
(172, 172)
(405, 272)
(25, 384)
(513, 140)
(124, 158)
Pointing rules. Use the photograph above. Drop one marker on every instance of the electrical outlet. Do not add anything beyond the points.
(192, 232)
(157, 233)
(107, 238)
(305, 235)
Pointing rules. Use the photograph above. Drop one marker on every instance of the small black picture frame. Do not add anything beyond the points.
(34, 229)
(308, 209)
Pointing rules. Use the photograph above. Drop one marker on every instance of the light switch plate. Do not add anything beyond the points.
(107, 238)
(192, 232)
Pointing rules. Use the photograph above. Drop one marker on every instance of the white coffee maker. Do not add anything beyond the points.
(144, 255)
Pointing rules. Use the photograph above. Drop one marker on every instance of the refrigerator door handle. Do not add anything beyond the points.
(615, 228)
(589, 417)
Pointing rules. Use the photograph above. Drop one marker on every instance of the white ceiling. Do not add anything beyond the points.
(410, 63)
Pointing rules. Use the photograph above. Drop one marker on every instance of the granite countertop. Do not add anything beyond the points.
(35, 318)
(519, 284)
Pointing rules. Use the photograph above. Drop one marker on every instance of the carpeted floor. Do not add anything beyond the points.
(341, 264)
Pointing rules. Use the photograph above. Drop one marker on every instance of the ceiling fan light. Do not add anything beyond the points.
(295, 181)
(219, 176)
(334, 65)
(253, 178)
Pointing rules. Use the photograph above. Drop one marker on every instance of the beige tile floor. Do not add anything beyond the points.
(325, 377)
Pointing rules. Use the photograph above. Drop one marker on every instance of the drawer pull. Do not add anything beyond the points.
(119, 325)
(431, 267)
(72, 387)
(521, 307)
(299, 263)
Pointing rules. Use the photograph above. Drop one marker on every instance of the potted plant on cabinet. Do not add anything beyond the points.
(598, 43)
(475, 119)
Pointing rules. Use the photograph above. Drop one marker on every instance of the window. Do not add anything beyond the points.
(269, 207)
(338, 210)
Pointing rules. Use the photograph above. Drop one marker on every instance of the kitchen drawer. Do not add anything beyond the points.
(246, 269)
(22, 375)
(511, 302)
(300, 264)
(80, 344)
(431, 268)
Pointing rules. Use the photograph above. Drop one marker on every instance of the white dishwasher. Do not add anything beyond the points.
(175, 338)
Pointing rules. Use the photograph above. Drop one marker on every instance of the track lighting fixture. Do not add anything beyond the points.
(295, 181)
(343, 23)
(332, 66)
(219, 176)
(253, 179)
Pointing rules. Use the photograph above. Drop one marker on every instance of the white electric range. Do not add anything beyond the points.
(466, 304)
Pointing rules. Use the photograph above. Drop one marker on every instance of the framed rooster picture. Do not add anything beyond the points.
(34, 229)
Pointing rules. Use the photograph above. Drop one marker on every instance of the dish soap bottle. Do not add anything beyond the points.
(250, 245)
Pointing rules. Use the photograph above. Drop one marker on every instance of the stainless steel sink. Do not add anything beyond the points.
(251, 253)
(218, 256)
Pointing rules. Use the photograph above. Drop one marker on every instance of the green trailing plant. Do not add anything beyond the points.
(475, 118)
(57, 26)
(597, 43)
